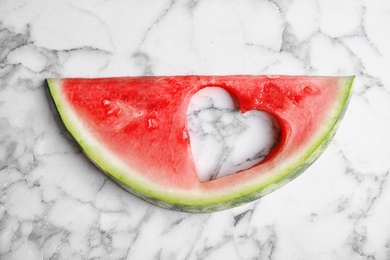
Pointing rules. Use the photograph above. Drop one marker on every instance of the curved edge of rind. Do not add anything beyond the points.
(222, 205)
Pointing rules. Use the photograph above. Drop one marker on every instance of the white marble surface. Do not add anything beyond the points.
(56, 205)
(223, 140)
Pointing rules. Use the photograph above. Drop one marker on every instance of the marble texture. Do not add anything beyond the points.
(223, 140)
(54, 204)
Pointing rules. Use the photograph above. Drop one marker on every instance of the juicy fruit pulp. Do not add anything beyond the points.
(134, 128)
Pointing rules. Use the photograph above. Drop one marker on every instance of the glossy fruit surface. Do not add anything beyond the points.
(134, 129)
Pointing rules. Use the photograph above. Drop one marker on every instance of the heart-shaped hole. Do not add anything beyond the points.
(223, 140)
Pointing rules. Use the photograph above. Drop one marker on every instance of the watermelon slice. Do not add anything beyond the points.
(134, 129)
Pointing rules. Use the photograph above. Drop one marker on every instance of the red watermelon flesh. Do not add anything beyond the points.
(134, 128)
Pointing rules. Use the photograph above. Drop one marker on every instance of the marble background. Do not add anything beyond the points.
(54, 204)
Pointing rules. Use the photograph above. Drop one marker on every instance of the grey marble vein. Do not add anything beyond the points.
(54, 204)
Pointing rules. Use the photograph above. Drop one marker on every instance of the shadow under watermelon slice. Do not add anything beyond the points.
(134, 129)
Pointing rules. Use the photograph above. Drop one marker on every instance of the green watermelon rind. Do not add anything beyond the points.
(182, 200)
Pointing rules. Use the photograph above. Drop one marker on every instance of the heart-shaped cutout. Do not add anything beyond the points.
(223, 140)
